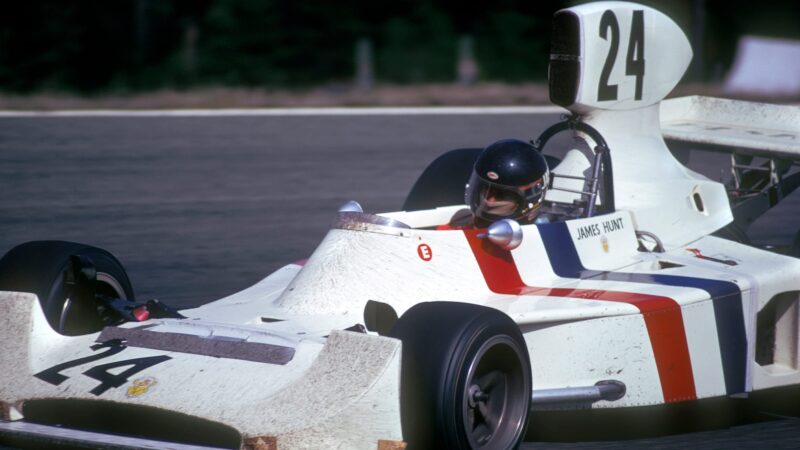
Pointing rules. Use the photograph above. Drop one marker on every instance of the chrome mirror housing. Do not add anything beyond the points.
(351, 216)
(505, 233)
(351, 206)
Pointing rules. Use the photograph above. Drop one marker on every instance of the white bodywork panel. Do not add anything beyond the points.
(653, 185)
(344, 273)
(665, 55)
(629, 58)
(752, 128)
(347, 381)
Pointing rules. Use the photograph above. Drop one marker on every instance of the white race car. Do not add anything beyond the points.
(395, 333)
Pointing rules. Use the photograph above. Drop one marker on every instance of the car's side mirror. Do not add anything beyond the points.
(351, 216)
(351, 206)
(505, 233)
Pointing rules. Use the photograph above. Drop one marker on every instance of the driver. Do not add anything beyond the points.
(509, 180)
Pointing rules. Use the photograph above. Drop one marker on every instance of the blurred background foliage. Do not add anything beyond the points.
(94, 46)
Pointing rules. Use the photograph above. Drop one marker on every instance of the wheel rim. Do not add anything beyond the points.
(106, 284)
(495, 395)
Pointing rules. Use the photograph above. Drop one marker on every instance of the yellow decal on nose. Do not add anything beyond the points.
(140, 386)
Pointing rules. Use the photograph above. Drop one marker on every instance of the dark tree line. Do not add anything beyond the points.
(96, 46)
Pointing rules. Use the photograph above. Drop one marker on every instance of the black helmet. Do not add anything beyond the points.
(509, 180)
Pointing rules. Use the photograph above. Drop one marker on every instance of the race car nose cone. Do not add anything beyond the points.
(506, 234)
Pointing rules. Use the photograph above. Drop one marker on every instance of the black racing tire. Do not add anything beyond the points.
(39, 266)
(442, 183)
(465, 377)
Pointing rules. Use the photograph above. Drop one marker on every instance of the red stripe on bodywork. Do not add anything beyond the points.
(662, 315)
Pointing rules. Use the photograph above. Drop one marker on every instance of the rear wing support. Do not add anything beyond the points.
(746, 131)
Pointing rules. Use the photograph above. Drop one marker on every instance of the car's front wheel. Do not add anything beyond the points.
(466, 377)
(53, 270)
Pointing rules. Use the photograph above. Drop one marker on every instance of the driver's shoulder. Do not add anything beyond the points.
(460, 220)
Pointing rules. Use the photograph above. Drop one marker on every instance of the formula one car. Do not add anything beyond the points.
(640, 291)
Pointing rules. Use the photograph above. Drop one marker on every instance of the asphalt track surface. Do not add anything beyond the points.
(200, 207)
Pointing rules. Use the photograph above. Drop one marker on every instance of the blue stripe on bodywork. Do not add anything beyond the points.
(726, 298)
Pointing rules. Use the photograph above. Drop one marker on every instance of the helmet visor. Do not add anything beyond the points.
(492, 201)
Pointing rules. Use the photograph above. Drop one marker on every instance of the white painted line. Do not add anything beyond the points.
(100, 440)
(377, 111)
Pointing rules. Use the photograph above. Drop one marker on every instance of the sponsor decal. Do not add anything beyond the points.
(597, 229)
(588, 231)
(140, 386)
(424, 251)
(492, 175)
(604, 242)
(698, 254)
(609, 226)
